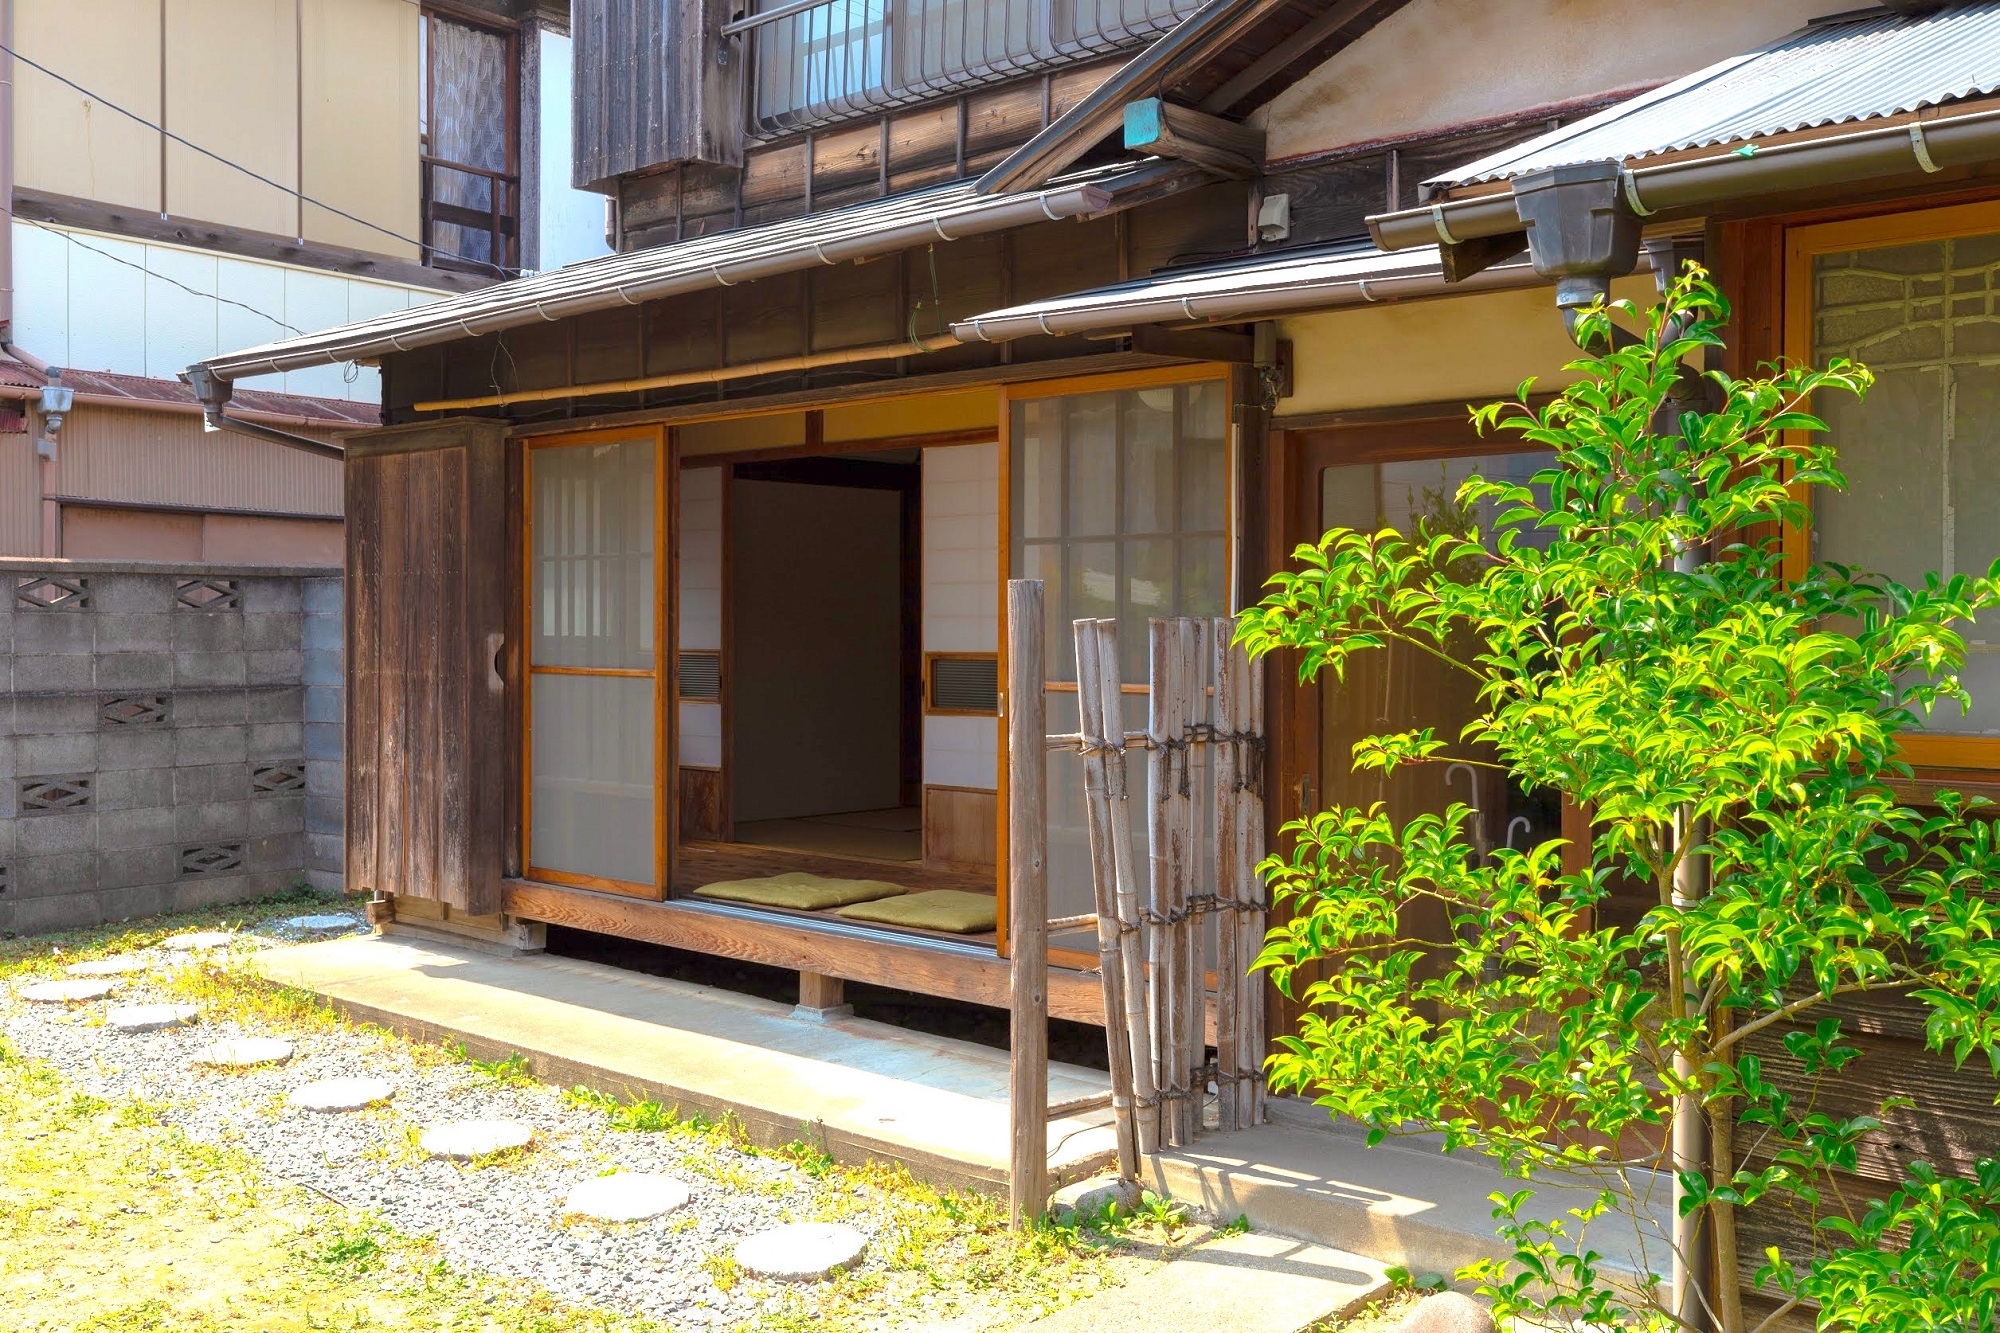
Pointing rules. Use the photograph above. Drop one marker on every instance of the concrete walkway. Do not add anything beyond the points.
(862, 1089)
(937, 1105)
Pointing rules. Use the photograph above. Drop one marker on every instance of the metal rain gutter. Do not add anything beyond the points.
(920, 220)
(1909, 147)
(1247, 301)
(214, 393)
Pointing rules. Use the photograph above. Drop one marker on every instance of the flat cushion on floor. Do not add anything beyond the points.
(799, 891)
(951, 910)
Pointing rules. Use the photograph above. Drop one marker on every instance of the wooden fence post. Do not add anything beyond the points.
(1027, 900)
(1239, 846)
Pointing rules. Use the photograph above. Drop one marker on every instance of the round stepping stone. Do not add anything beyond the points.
(327, 921)
(198, 939)
(464, 1140)
(118, 966)
(628, 1196)
(67, 992)
(151, 1017)
(801, 1251)
(243, 1052)
(342, 1094)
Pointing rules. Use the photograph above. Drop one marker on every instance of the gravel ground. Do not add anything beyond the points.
(503, 1217)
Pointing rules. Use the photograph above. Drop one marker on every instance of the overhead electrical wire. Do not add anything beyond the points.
(234, 166)
(161, 277)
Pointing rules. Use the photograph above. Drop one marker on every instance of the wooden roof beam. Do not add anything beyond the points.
(1154, 125)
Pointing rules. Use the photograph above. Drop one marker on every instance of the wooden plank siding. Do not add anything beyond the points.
(426, 593)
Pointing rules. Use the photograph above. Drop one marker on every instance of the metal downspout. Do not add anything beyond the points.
(215, 393)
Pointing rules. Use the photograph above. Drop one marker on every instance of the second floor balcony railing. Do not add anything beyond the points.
(813, 62)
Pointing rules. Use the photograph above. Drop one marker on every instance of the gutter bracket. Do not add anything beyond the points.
(1462, 259)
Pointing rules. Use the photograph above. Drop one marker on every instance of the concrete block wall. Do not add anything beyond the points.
(169, 737)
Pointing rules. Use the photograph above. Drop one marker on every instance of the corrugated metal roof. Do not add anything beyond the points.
(880, 226)
(1251, 288)
(1875, 64)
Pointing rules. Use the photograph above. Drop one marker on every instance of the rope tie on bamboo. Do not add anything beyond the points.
(1200, 904)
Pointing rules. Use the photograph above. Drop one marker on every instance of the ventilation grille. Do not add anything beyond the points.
(701, 676)
(211, 858)
(209, 595)
(964, 685)
(266, 779)
(135, 710)
(6, 882)
(45, 796)
(51, 593)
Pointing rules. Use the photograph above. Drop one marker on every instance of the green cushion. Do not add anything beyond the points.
(951, 910)
(799, 891)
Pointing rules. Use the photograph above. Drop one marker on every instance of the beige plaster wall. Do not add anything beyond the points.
(242, 78)
(1475, 348)
(1438, 63)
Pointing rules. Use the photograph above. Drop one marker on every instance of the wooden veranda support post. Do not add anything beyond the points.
(1101, 727)
(1027, 900)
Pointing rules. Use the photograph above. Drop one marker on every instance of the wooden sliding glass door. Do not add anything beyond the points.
(599, 629)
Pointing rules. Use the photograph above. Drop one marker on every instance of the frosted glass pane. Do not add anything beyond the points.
(592, 791)
(593, 520)
(1093, 465)
(1149, 461)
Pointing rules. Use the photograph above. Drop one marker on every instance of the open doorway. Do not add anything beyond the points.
(824, 601)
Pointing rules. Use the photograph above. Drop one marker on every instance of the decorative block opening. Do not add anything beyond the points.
(49, 593)
(211, 858)
(54, 795)
(6, 879)
(208, 595)
(136, 710)
(266, 779)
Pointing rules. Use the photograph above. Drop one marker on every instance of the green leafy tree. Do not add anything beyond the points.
(1638, 648)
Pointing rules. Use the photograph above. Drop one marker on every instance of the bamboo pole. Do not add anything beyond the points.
(1191, 644)
(1249, 925)
(1132, 931)
(1225, 769)
(1096, 731)
(1170, 713)
(1027, 901)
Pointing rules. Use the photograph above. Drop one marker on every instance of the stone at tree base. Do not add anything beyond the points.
(151, 1017)
(198, 939)
(1448, 1312)
(67, 992)
(119, 965)
(243, 1052)
(1125, 1193)
(801, 1251)
(628, 1196)
(342, 1094)
(464, 1140)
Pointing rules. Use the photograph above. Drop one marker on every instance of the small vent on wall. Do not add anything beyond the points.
(137, 710)
(962, 684)
(51, 594)
(267, 779)
(211, 858)
(6, 881)
(48, 796)
(208, 595)
(701, 676)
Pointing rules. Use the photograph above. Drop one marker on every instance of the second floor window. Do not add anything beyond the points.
(470, 194)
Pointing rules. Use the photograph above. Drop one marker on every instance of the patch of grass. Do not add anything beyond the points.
(110, 1225)
(511, 1070)
(723, 1270)
(34, 955)
(808, 1157)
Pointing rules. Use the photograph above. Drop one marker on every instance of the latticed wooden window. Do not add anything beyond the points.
(1922, 451)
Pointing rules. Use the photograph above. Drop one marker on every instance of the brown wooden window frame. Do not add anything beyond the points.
(503, 221)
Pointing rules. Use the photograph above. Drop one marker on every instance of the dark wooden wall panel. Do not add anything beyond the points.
(702, 793)
(426, 598)
(648, 90)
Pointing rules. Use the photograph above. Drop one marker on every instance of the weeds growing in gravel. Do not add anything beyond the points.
(511, 1070)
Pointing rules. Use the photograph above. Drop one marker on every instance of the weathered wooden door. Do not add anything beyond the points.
(427, 580)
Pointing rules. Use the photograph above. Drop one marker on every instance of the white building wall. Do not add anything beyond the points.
(96, 302)
(961, 591)
(571, 220)
(700, 741)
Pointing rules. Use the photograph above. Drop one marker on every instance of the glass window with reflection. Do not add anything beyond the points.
(593, 548)
(1121, 507)
(1398, 688)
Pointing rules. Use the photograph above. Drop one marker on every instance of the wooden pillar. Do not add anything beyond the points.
(823, 996)
(1027, 901)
